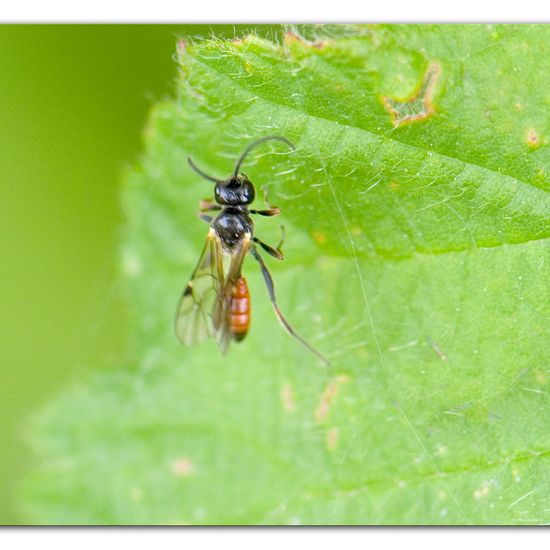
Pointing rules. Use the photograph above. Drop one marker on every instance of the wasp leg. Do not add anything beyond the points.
(271, 291)
(275, 252)
(208, 204)
(205, 217)
(271, 211)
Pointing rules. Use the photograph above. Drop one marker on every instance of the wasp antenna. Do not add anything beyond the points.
(257, 142)
(200, 172)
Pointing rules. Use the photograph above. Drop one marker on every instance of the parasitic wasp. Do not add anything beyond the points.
(216, 301)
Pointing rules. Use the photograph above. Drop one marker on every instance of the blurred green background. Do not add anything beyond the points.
(74, 100)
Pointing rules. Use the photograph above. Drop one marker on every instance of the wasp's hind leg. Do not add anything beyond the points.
(271, 291)
(275, 252)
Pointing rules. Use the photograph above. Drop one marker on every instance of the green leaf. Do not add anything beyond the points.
(417, 212)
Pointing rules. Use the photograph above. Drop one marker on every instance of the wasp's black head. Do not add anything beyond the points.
(236, 190)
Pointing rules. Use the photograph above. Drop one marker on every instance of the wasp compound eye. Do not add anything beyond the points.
(248, 193)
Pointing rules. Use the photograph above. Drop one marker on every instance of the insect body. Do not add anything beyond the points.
(216, 300)
(239, 310)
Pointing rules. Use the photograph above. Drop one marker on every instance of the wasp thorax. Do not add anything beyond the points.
(237, 189)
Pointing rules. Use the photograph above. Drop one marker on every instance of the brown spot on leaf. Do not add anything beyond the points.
(290, 37)
(482, 492)
(533, 139)
(394, 185)
(287, 398)
(327, 397)
(332, 438)
(417, 106)
(321, 238)
(182, 467)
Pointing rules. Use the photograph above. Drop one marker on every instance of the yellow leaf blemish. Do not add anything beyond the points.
(321, 238)
(332, 438)
(182, 467)
(327, 397)
(287, 398)
(417, 106)
(533, 139)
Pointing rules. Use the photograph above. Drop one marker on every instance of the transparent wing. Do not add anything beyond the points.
(199, 308)
(222, 324)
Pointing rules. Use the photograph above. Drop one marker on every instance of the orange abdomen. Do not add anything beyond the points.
(239, 314)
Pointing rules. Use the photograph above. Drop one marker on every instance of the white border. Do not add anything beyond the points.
(271, 538)
(271, 11)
